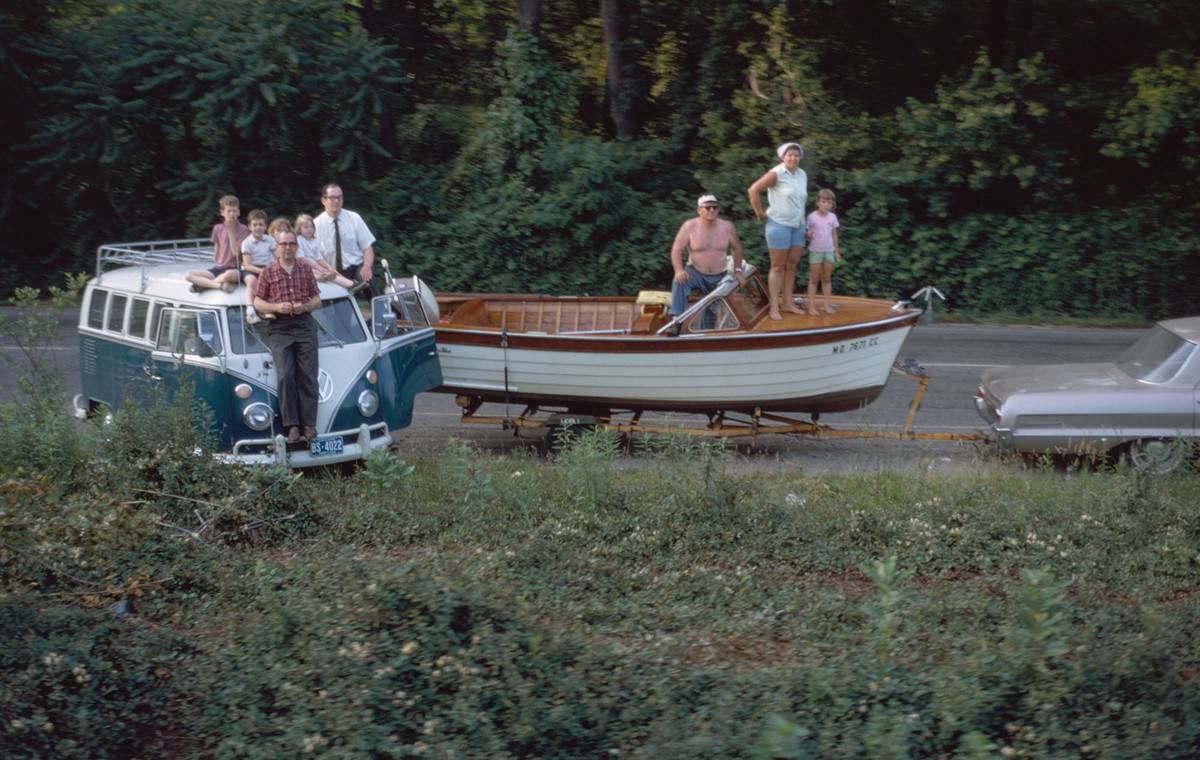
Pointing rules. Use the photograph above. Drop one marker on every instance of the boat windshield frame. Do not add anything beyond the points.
(727, 285)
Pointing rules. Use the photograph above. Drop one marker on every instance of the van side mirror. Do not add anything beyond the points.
(383, 319)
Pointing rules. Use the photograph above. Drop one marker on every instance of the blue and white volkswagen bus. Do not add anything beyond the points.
(143, 333)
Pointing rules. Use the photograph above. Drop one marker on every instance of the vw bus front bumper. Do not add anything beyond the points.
(333, 447)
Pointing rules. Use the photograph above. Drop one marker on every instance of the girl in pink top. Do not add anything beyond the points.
(310, 251)
(823, 249)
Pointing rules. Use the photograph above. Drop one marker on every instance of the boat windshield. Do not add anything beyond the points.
(1156, 357)
(716, 317)
(338, 324)
(751, 297)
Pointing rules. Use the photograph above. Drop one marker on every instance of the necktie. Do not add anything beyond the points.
(337, 245)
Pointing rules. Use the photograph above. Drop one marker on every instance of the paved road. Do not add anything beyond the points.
(953, 356)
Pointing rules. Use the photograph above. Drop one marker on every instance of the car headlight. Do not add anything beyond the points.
(257, 416)
(368, 403)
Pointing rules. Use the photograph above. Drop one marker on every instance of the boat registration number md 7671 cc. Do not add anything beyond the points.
(144, 333)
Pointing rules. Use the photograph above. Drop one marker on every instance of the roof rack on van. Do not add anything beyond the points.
(150, 252)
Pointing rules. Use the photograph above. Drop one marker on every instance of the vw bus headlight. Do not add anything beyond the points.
(368, 403)
(257, 416)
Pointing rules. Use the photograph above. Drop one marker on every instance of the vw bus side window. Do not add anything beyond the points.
(716, 318)
(96, 308)
(156, 310)
(116, 313)
(184, 332)
(138, 317)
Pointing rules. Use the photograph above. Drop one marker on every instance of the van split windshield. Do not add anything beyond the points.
(338, 323)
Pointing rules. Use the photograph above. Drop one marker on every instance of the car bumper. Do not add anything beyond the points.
(357, 444)
(1003, 437)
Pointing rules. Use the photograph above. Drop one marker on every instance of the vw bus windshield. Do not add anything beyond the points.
(338, 324)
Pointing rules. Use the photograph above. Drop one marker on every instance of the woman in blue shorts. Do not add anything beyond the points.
(787, 196)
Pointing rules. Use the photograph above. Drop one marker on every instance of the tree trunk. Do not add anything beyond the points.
(529, 15)
(997, 21)
(1024, 28)
(945, 35)
(619, 107)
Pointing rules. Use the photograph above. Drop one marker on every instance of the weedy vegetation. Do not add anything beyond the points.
(157, 603)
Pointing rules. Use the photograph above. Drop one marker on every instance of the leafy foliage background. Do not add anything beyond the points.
(1037, 159)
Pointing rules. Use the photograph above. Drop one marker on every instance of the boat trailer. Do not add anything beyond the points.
(721, 424)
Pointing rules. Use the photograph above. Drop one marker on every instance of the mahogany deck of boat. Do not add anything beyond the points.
(554, 315)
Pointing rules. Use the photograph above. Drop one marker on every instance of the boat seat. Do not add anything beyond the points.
(654, 301)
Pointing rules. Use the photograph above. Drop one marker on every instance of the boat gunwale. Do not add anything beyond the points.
(909, 315)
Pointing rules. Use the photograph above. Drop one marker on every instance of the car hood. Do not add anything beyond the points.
(1002, 382)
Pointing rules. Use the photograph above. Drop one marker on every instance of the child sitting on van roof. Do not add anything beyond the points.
(279, 224)
(227, 237)
(258, 251)
(310, 251)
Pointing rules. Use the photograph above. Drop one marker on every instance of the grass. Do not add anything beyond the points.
(510, 606)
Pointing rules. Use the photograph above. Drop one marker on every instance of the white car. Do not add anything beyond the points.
(1145, 405)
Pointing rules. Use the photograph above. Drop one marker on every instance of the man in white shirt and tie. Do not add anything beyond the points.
(344, 239)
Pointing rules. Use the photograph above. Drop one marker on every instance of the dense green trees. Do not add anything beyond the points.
(1026, 155)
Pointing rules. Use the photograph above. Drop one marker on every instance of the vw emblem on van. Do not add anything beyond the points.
(324, 386)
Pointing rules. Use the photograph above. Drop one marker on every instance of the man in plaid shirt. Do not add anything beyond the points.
(287, 294)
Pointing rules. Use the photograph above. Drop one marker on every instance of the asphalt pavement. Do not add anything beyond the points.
(953, 357)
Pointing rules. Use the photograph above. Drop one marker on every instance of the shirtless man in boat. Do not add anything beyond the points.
(708, 239)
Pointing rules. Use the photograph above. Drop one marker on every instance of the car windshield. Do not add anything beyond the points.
(338, 323)
(1157, 357)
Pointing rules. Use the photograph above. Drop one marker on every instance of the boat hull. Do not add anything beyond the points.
(804, 371)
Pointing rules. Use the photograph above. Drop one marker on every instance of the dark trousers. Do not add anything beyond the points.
(352, 273)
(293, 343)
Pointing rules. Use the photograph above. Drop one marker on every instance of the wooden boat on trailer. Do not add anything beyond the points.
(594, 358)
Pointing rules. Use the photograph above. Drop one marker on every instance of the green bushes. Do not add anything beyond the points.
(78, 683)
(667, 604)
(375, 660)
(35, 435)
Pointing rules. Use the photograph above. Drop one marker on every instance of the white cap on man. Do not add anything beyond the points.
(784, 149)
(708, 199)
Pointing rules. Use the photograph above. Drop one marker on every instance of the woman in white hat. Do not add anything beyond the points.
(787, 196)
